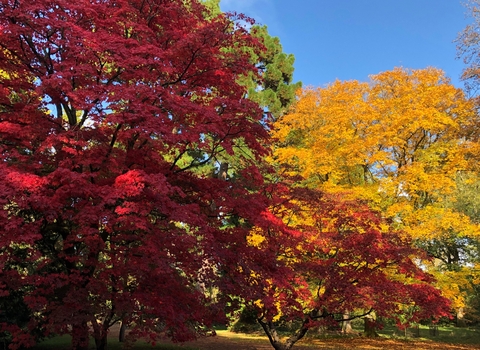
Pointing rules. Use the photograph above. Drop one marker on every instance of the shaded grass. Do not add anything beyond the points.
(446, 335)
(64, 342)
(449, 335)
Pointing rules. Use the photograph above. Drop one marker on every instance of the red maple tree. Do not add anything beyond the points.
(113, 114)
(108, 111)
(341, 261)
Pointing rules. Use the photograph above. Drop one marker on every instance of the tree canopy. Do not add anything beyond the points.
(107, 109)
(116, 114)
(402, 142)
(343, 258)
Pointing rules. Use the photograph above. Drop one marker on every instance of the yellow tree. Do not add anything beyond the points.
(398, 141)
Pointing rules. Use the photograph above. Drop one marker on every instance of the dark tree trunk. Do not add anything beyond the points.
(370, 327)
(275, 340)
(80, 336)
(222, 172)
(121, 333)
(100, 332)
(101, 343)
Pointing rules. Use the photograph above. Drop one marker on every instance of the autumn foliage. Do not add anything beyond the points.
(405, 143)
(114, 118)
(343, 259)
(402, 142)
(107, 109)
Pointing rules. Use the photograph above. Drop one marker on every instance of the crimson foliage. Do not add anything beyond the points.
(346, 261)
(108, 108)
(113, 114)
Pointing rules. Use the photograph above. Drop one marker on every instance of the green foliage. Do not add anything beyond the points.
(246, 322)
(277, 91)
(212, 5)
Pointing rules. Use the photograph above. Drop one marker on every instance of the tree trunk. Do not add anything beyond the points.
(369, 328)
(100, 332)
(222, 172)
(101, 343)
(460, 320)
(80, 336)
(272, 334)
(274, 338)
(346, 325)
(121, 334)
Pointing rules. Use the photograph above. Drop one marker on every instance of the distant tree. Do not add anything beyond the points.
(468, 45)
(273, 89)
(468, 48)
(213, 6)
(401, 142)
(276, 91)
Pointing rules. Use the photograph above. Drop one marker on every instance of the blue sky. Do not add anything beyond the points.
(352, 39)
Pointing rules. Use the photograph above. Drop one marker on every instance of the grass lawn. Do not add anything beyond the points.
(449, 335)
(390, 338)
(64, 343)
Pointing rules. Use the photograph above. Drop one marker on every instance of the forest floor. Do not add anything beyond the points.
(233, 341)
(448, 339)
